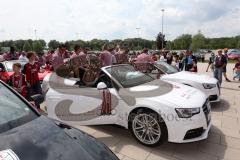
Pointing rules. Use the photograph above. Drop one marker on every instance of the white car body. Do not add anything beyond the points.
(76, 105)
(194, 80)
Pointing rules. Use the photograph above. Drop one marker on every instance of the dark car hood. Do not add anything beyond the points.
(43, 139)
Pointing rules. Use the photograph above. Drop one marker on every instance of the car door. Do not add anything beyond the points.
(81, 104)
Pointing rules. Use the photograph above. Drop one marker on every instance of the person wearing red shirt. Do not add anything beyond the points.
(17, 80)
(31, 70)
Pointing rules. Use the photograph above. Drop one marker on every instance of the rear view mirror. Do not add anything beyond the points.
(101, 86)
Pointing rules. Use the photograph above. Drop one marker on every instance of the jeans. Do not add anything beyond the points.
(218, 74)
(237, 75)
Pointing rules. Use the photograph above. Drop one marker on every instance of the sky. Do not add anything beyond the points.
(116, 19)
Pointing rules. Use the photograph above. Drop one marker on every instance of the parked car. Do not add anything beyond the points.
(205, 83)
(234, 54)
(26, 135)
(154, 110)
(7, 70)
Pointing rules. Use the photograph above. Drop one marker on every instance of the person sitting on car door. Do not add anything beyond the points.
(76, 60)
(17, 80)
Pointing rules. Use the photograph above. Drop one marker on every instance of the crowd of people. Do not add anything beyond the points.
(25, 79)
(218, 64)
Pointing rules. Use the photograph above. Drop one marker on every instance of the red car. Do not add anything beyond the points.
(6, 70)
(234, 55)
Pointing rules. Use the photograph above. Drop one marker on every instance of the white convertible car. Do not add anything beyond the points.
(204, 83)
(152, 109)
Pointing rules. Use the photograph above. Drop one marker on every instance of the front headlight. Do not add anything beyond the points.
(187, 112)
(209, 85)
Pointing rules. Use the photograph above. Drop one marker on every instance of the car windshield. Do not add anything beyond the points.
(9, 65)
(13, 111)
(166, 68)
(127, 76)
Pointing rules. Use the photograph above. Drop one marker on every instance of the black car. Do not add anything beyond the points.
(27, 135)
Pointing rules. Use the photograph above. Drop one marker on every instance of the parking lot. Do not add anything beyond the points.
(223, 141)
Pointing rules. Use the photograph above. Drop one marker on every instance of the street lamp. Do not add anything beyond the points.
(35, 32)
(138, 33)
(162, 26)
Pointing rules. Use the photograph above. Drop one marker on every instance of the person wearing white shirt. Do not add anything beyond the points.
(23, 57)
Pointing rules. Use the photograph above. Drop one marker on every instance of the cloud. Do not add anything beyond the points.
(113, 19)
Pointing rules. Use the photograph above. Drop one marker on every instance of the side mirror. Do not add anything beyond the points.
(101, 86)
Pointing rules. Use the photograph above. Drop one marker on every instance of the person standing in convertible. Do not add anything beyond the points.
(106, 56)
(144, 57)
(58, 56)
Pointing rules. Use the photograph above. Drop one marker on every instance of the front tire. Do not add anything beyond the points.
(148, 127)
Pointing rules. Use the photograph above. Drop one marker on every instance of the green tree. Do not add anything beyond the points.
(53, 44)
(27, 47)
(183, 42)
(238, 44)
(170, 45)
(37, 47)
(42, 42)
(198, 41)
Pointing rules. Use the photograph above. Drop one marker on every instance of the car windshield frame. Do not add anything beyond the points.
(128, 83)
(166, 68)
(20, 111)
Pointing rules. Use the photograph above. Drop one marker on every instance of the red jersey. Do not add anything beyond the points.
(18, 82)
(3, 76)
(31, 73)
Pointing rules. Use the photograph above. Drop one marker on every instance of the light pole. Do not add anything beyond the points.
(35, 32)
(138, 34)
(162, 26)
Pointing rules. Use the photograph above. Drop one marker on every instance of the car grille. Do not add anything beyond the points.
(194, 133)
(213, 97)
(207, 111)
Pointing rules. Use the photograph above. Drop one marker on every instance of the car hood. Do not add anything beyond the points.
(189, 76)
(44, 139)
(182, 96)
(161, 92)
